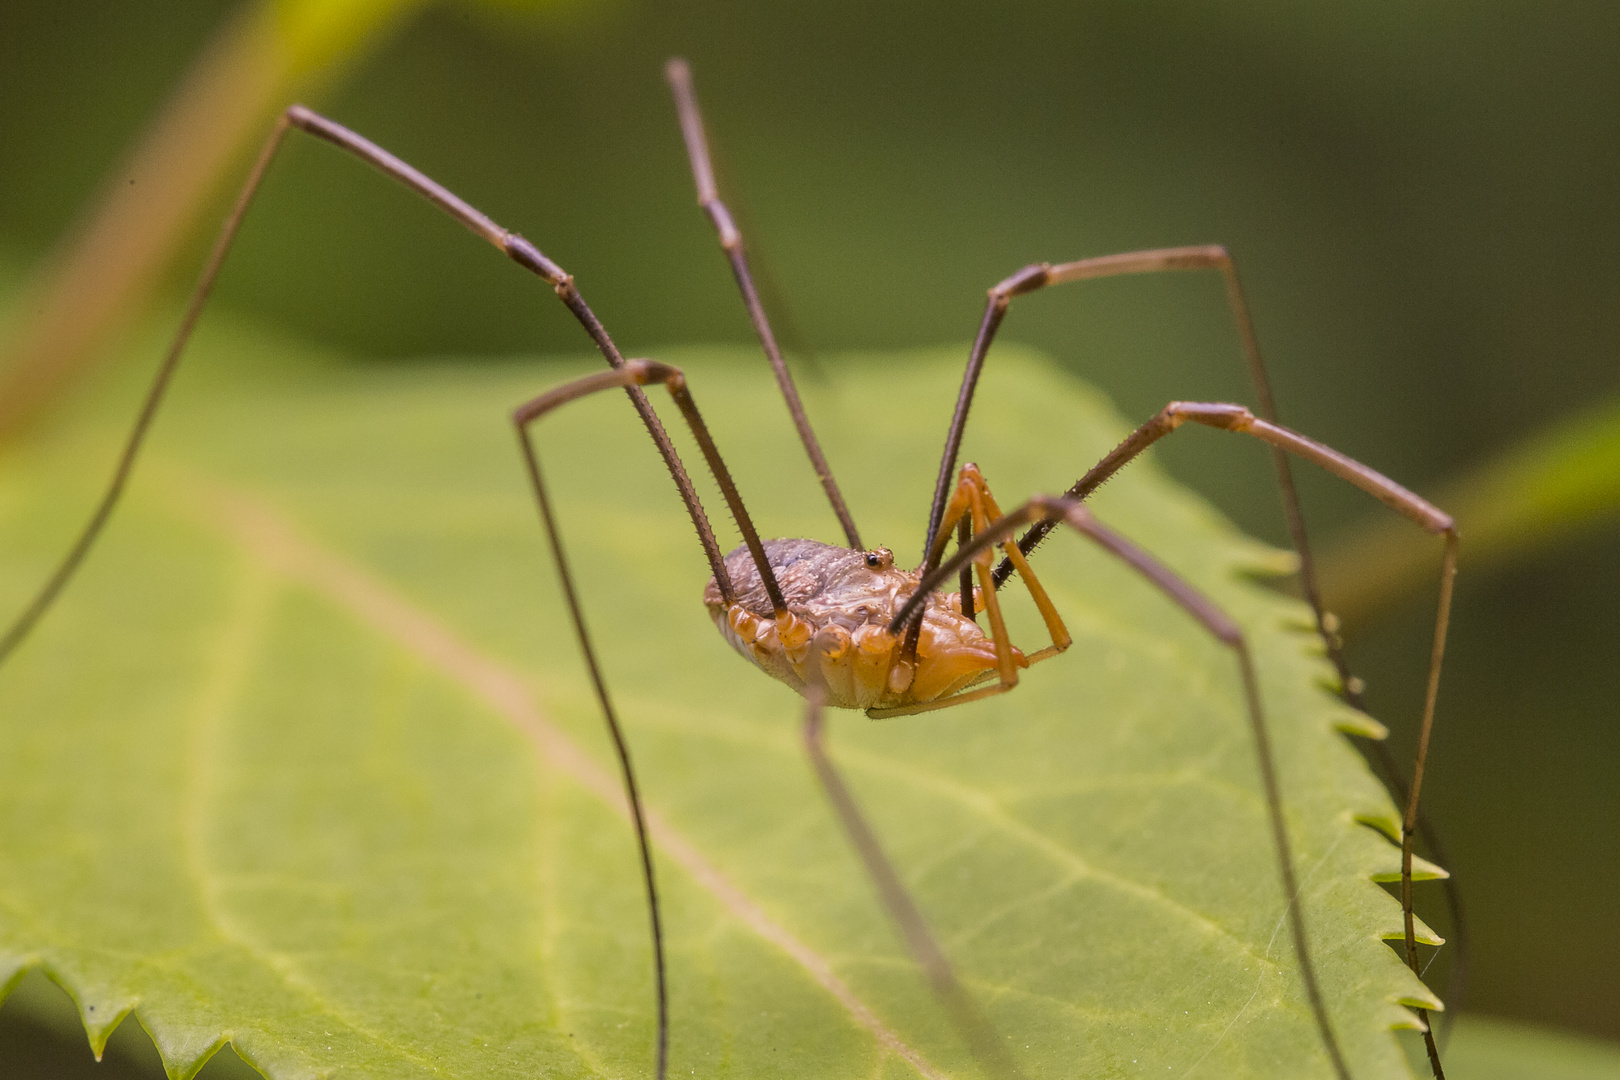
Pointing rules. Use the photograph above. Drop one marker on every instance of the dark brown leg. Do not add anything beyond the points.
(516, 247)
(1458, 938)
(964, 533)
(638, 373)
(635, 373)
(976, 1030)
(697, 149)
(621, 747)
(24, 622)
(1197, 257)
(1038, 276)
(526, 255)
(1217, 622)
(1426, 516)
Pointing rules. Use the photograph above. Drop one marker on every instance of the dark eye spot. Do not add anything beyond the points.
(872, 560)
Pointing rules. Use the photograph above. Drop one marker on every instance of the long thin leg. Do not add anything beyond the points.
(1039, 275)
(1458, 938)
(638, 373)
(697, 149)
(1070, 511)
(1425, 515)
(525, 254)
(634, 373)
(520, 250)
(24, 622)
(621, 746)
(1197, 257)
(980, 1036)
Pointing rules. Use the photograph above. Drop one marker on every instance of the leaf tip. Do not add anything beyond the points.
(1422, 870)
(1421, 933)
(182, 1062)
(1359, 724)
(12, 969)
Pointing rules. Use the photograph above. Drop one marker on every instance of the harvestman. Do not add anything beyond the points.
(843, 625)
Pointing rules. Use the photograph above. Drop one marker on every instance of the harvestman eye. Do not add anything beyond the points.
(841, 624)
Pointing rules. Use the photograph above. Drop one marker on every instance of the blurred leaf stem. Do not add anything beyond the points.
(108, 263)
(1555, 483)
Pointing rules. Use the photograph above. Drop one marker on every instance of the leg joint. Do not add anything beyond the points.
(720, 216)
(1211, 414)
(1032, 277)
(526, 255)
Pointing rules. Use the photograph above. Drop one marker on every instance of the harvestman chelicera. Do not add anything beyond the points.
(843, 625)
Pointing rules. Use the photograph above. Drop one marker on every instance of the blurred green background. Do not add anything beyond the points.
(1422, 199)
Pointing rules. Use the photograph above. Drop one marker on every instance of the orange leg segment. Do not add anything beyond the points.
(973, 502)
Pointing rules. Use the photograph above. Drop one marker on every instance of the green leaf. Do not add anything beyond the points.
(305, 760)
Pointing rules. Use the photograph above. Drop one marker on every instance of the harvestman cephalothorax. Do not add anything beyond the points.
(842, 624)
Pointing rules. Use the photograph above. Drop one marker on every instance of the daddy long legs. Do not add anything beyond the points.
(841, 623)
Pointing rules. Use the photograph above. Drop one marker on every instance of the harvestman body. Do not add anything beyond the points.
(842, 624)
